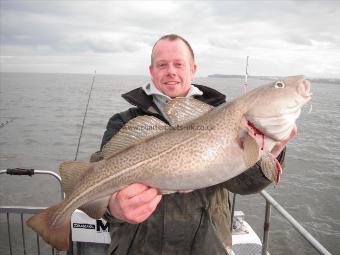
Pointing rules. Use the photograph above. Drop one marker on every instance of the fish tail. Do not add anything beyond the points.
(58, 235)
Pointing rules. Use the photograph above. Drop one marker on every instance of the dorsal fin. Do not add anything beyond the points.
(182, 110)
(133, 132)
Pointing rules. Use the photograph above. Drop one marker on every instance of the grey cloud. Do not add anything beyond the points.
(332, 39)
(218, 30)
(299, 39)
(276, 24)
(94, 45)
(45, 27)
(226, 43)
(310, 16)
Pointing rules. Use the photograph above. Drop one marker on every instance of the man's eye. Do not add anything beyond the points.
(178, 64)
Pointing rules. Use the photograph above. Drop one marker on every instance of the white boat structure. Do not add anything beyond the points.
(90, 236)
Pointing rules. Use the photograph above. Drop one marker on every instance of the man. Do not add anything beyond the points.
(143, 221)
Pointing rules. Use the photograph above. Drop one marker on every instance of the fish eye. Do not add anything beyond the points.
(279, 85)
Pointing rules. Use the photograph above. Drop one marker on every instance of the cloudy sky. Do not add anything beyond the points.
(116, 37)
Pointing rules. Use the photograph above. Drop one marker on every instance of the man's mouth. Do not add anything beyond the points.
(171, 83)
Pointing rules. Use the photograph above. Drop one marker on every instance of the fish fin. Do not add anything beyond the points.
(251, 150)
(97, 156)
(71, 172)
(134, 132)
(57, 236)
(181, 110)
(96, 209)
(271, 167)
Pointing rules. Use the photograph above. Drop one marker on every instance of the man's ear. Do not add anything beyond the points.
(193, 69)
(151, 70)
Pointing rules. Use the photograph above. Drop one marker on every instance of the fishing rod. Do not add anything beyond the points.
(245, 85)
(87, 105)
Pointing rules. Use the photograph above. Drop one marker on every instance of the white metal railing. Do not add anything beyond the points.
(25, 210)
(270, 201)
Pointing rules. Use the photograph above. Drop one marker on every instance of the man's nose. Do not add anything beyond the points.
(171, 70)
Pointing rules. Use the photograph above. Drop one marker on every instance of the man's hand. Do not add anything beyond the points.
(134, 204)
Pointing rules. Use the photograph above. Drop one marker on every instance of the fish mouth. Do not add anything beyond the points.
(304, 91)
(304, 95)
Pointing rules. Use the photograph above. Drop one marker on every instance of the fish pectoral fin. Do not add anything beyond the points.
(71, 172)
(182, 110)
(271, 167)
(96, 209)
(251, 150)
(56, 236)
(133, 132)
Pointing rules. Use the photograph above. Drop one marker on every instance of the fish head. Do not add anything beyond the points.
(275, 107)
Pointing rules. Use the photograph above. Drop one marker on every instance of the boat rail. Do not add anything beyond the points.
(270, 202)
(26, 209)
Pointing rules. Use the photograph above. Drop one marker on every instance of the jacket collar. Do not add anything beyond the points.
(139, 98)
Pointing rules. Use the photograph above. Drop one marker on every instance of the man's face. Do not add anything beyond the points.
(173, 68)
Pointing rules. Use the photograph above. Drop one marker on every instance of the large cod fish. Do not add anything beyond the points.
(201, 147)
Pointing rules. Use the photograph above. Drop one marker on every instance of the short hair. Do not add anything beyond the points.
(173, 37)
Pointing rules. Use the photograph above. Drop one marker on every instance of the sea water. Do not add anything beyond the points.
(40, 121)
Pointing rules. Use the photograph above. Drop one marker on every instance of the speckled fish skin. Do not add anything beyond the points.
(201, 153)
(192, 158)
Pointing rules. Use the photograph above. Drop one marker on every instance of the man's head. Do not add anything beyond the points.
(172, 66)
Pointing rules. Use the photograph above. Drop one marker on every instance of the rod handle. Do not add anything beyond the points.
(20, 171)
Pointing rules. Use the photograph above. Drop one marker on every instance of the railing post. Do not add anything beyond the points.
(232, 212)
(9, 234)
(23, 232)
(38, 244)
(266, 226)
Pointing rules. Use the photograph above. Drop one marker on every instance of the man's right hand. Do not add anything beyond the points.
(135, 203)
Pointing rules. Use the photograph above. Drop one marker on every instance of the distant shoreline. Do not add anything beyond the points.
(225, 76)
(321, 80)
